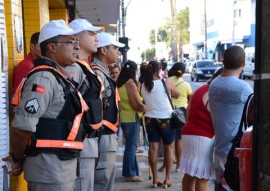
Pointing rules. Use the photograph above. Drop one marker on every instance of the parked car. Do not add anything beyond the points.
(189, 67)
(203, 69)
(219, 65)
(248, 69)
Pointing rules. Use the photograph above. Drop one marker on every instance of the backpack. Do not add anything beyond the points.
(231, 173)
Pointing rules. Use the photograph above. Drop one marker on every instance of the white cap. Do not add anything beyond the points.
(53, 29)
(106, 39)
(82, 25)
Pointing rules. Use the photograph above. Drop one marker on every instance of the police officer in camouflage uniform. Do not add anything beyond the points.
(47, 133)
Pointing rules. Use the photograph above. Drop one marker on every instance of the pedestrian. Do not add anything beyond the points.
(90, 86)
(158, 119)
(227, 96)
(130, 107)
(176, 77)
(46, 137)
(105, 56)
(143, 67)
(198, 142)
(115, 71)
(24, 67)
(164, 71)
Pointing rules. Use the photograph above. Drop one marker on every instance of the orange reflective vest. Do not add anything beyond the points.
(92, 96)
(110, 125)
(55, 135)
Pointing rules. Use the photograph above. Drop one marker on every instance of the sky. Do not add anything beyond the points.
(141, 17)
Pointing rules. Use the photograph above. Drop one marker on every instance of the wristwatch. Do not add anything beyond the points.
(15, 160)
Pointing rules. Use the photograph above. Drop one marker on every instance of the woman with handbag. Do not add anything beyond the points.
(130, 108)
(158, 119)
(175, 76)
(197, 136)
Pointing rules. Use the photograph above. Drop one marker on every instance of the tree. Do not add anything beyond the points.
(148, 54)
(152, 37)
(182, 25)
(182, 36)
(161, 36)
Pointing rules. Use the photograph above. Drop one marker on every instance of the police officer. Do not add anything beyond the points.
(107, 55)
(47, 131)
(90, 86)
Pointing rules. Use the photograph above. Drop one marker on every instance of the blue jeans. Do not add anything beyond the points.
(131, 133)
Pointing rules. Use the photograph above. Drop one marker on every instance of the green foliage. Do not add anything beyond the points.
(148, 54)
(164, 34)
(152, 37)
(182, 25)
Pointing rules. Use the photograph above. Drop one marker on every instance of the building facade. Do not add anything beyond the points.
(217, 25)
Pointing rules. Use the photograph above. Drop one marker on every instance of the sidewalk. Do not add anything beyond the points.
(121, 185)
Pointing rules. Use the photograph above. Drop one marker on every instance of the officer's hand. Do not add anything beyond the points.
(12, 168)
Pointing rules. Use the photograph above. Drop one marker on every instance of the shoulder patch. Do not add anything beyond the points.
(32, 106)
(38, 89)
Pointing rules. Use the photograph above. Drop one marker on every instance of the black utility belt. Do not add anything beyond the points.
(107, 131)
(93, 134)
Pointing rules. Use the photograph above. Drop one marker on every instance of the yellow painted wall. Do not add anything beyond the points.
(59, 14)
(44, 12)
(34, 18)
(34, 14)
(13, 9)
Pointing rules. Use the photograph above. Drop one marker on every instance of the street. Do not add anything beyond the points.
(195, 85)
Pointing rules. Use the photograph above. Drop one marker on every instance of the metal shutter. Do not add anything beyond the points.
(4, 112)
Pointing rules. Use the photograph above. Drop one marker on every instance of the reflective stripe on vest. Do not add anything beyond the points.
(98, 77)
(17, 96)
(59, 144)
(97, 125)
(108, 124)
(70, 143)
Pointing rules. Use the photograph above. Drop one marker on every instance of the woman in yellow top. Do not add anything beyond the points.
(130, 107)
(175, 76)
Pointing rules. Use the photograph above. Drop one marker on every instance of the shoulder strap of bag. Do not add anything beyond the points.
(166, 90)
(179, 83)
(243, 119)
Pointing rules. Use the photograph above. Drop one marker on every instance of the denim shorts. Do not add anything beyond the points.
(159, 128)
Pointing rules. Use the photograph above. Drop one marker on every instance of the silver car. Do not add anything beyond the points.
(203, 69)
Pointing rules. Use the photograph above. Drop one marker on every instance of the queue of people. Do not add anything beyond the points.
(68, 111)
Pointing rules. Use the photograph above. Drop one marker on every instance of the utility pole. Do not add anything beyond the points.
(205, 31)
(233, 31)
(124, 52)
(173, 20)
(261, 135)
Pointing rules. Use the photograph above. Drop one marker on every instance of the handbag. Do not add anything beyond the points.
(231, 173)
(178, 115)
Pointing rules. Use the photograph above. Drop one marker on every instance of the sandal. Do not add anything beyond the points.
(139, 151)
(159, 183)
(166, 185)
(161, 169)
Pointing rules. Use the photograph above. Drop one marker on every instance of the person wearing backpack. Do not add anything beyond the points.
(227, 96)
